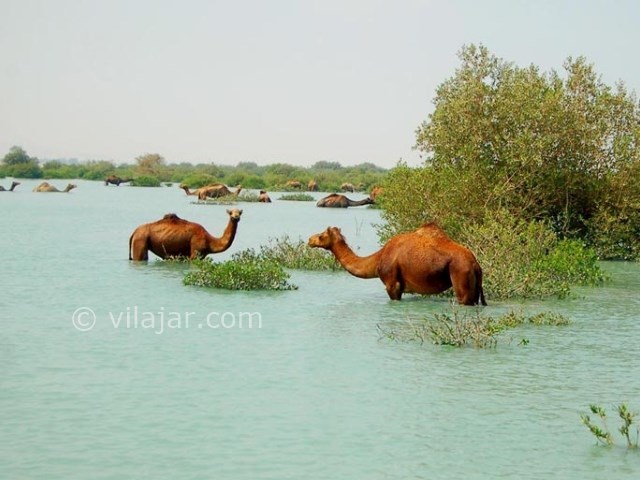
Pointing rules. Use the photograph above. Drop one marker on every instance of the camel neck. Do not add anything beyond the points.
(217, 245)
(361, 267)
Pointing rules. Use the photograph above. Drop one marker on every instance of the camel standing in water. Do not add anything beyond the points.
(115, 180)
(337, 200)
(264, 197)
(172, 236)
(217, 190)
(47, 187)
(11, 188)
(425, 261)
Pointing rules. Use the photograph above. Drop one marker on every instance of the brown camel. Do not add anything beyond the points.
(172, 236)
(312, 186)
(425, 261)
(264, 197)
(115, 180)
(336, 200)
(375, 192)
(217, 190)
(294, 184)
(347, 187)
(47, 187)
(11, 188)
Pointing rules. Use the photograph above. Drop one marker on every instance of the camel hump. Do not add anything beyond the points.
(431, 229)
(171, 216)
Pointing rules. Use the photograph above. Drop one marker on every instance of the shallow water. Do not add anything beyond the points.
(313, 393)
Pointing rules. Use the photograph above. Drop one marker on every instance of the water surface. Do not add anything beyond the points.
(314, 393)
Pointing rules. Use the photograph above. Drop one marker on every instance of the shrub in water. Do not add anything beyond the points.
(245, 271)
(299, 197)
(146, 181)
(298, 255)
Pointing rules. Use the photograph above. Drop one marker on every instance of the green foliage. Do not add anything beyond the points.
(298, 255)
(602, 433)
(29, 169)
(197, 180)
(245, 271)
(146, 181)
(298, 197)
(466, 327)
(542, 147)
(524, 259)
(16, 156)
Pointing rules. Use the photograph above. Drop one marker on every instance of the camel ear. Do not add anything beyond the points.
(228, 212)
(240, 211)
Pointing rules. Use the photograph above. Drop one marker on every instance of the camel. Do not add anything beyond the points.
(312, 186)
(172, 236)
(264, 197)
(115, 180)
(294, 184)
(425, 261)
(347, 187)
(217, 190)
(11, 188)
(375, 192)
(47, 187)
(336, 200)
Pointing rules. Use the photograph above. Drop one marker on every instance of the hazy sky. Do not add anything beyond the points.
(270, 81)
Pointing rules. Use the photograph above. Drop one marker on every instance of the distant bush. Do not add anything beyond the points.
(298, 197)
(245, 271)
(297, 255)
(145, 181)
(29, 169)
(197, 180)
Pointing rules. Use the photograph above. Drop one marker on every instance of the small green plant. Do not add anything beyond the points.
(469, 327)
(603, 434)
(298, 255)
(298, 197)
(246, 270)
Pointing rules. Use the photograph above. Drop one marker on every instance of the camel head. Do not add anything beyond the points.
(14, 185)
(234, 215)
(70, 187)
(326, 239)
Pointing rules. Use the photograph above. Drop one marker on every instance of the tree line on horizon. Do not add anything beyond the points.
(151, 170)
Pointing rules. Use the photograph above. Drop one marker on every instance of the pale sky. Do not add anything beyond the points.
(270, 81)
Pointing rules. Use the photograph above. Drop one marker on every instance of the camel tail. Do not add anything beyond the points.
(481, 290)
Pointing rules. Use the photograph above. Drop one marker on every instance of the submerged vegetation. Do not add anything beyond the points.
(247, 270)
(603, 434)
(466, 327)
(297, 197)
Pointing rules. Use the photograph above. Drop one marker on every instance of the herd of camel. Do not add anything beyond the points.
(425, 261)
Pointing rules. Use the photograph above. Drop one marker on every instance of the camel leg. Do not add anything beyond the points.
(139, 251)
(394, 289)
(465, 288)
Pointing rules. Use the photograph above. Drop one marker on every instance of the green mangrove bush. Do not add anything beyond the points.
(298, 255)
(247, 270)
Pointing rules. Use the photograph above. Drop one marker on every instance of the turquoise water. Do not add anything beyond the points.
(314, 392)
